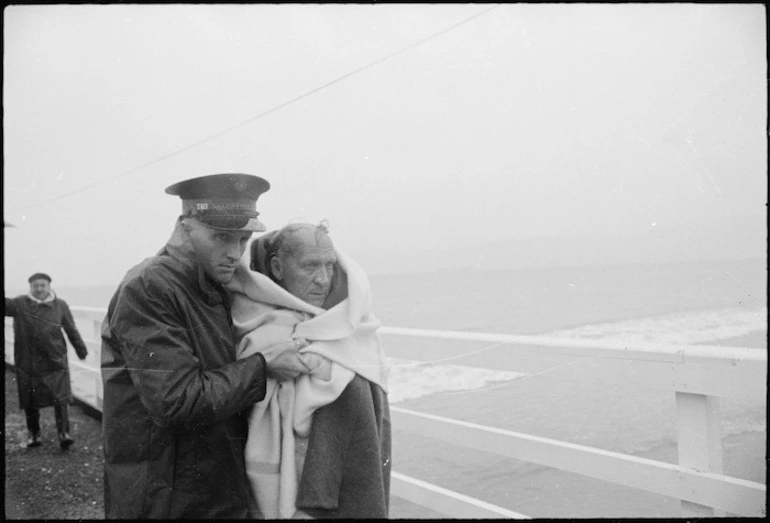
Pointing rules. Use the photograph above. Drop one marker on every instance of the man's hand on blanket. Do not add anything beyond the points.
(283, 361)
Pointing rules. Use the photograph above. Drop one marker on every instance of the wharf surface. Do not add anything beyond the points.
(45, 483)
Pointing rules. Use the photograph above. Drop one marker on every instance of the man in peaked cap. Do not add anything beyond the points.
(174, 393)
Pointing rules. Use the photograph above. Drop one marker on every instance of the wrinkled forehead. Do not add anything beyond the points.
(310, 240)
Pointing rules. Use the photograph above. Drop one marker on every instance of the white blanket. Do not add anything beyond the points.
(344, 340)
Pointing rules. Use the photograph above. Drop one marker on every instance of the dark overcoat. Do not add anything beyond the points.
(347, 467)
(174, 394)
(39, 349)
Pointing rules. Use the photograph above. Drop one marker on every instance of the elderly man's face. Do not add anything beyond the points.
(307, 272)
(40, 288)
(217, 251)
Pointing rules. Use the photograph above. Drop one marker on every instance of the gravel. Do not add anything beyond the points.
(45, 482)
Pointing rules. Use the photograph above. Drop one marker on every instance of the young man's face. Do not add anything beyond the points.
(307, 272)
(40, 288)
(217, 251)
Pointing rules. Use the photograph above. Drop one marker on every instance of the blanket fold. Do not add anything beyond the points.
(344, 342)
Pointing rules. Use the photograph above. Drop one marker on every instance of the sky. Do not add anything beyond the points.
(404, 126)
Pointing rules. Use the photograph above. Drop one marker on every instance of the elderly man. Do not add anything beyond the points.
(40, 355)
(173, 390)
(304, 288)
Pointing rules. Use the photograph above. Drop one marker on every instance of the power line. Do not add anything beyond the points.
(266, 113)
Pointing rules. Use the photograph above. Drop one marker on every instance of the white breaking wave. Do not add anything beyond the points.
(682, 328)
(411, 379)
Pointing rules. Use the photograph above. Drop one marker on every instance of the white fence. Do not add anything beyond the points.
(696, 375)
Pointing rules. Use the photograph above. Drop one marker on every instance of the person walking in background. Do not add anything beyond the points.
(174, 394)
(40, 355)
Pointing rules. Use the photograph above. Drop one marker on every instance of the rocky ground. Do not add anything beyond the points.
(44, 482)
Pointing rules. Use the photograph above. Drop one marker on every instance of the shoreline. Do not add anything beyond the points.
(753, 340)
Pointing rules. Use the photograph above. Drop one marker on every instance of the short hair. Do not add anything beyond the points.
(285, 242)
(281, 243)
(39, 276)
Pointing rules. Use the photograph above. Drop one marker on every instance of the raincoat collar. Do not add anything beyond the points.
(181, 250)
(48, 299)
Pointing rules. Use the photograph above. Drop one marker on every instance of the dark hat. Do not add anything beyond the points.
(223, 201)
(39, 276)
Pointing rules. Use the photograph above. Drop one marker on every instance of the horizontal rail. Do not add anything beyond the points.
(697, 354)
(733, 495)
(446, 501)
(717, 371)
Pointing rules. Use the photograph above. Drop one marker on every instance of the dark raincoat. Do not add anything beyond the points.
(40, 352)
(174, 393)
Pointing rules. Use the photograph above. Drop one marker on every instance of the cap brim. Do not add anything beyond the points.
(232, 223)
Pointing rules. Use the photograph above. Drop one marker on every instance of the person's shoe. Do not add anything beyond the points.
(34, 440)
(65, 441)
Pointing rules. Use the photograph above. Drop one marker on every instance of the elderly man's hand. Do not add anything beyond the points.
(283, 361)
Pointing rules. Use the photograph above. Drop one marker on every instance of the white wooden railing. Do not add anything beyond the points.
(696, 375)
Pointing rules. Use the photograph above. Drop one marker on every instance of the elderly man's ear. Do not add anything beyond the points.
(275, 267)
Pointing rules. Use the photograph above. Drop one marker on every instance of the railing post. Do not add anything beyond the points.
(97, 325)
(699, 441)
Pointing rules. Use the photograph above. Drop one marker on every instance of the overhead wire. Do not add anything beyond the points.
(267, 112)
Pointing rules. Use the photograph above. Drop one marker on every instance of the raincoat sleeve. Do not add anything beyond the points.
(10, 307)
(172, 383)
(69, 326)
